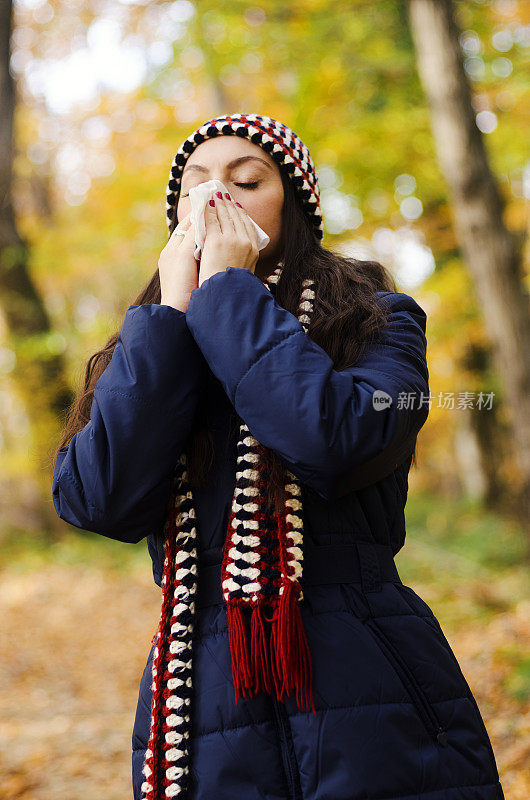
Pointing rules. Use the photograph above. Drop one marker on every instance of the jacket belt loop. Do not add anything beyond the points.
(370, 568)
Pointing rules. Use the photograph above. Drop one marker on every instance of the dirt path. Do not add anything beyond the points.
(76, 640)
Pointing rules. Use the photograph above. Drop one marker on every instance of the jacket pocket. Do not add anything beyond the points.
(435, 624)
(415, 691)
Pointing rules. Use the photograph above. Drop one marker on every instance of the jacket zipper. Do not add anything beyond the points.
(282, 721)
(423, 706)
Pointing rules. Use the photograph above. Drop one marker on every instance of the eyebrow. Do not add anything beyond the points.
(230, 165)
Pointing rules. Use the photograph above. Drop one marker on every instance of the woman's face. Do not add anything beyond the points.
(236, 161)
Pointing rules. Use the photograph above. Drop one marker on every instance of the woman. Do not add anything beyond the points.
(256, 419)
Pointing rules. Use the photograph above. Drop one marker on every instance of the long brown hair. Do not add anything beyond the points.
(345, 319)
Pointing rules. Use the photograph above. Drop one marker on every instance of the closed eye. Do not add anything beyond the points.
(244, 185)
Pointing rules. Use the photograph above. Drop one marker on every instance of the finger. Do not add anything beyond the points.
(177, 238)
(189, 235)
(181, 227)
(184, 219)
(179, 234)
(236, 217)
(247, 222)
(210, 217)
(225, 218)
(185, 232)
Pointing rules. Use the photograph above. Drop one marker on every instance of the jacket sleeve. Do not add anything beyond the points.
(323, 423)
(114, 477)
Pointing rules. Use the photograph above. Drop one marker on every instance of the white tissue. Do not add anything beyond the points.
(199, 195)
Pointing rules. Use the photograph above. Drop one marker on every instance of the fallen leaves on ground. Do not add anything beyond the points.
(75, 643)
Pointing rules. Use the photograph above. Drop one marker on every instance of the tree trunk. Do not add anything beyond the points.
(490, 432)
(39, 372)
(492, 253)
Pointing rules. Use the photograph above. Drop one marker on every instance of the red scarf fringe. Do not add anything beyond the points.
(282, 658)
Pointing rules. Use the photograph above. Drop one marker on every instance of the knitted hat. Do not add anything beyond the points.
(263, 550)
(275, 138)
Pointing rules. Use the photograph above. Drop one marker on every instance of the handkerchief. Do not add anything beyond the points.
(199, 195)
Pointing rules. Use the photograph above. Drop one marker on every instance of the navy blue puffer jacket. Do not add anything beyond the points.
(395, 716)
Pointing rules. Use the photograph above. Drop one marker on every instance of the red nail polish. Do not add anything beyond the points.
(212, 202)
(227, 196)
(219, 195)
(239, 204)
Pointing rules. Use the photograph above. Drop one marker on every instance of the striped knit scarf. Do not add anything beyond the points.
(261, 568)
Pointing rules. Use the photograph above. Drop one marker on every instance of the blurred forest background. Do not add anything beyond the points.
(416, 115)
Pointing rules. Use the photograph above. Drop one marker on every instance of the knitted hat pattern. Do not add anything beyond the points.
(262, 554)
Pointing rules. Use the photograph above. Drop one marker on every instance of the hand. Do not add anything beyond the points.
(178, 269)
(231, 239)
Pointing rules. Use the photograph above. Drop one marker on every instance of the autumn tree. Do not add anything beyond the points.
(39, 373)
(492, 252)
